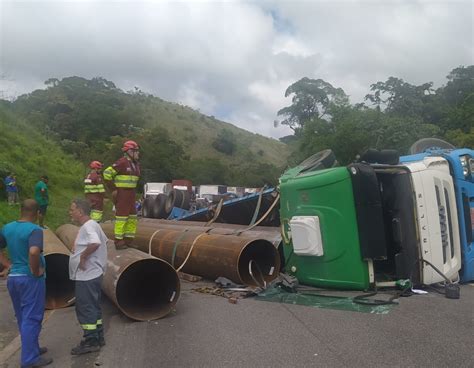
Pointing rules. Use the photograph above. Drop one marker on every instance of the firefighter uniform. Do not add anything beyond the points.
(94, 191)
(123, 177)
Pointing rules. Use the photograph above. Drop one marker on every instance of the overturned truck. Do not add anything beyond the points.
(373, 222)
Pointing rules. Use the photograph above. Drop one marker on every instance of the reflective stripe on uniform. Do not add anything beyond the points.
(99, 321)
(130, 227)
(90, 188)
(126, 181)
(109, 173)
(89, 327)
(96, 215)
(119, 227)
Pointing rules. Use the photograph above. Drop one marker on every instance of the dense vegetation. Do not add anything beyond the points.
(395, 114)
(29, 155)
(91, 118)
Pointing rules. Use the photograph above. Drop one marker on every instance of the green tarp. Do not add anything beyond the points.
(319, 300)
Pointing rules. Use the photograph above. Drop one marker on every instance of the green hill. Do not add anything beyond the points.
(29, 155)
(90, 119)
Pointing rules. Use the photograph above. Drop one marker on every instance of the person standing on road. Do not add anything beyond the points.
(12, 189)
(95, 191)
(121, 179)
(86, 267)
(26, 281)
(42, 197)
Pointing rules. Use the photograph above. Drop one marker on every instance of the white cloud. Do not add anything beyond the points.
(233, 59)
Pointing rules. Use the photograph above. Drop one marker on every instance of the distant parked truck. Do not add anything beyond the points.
(380, 220)
(238, 191)
(153, 189)
(212, 189)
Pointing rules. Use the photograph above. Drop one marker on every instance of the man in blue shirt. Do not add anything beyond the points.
(12, 189)
(26, 280)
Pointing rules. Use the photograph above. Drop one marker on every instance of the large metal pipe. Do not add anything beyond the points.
(270, 233)
(141, 286)
(209, 255)
(59, 288)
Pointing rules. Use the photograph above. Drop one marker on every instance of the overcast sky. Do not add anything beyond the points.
(233, 59)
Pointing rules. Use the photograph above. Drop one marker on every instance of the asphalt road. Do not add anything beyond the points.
(208, 331)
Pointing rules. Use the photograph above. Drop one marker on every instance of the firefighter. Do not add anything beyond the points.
(121, 179)
(94, 190)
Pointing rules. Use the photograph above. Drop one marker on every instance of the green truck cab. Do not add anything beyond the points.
(349, 227)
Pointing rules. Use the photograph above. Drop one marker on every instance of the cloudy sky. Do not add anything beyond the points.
(233, 59)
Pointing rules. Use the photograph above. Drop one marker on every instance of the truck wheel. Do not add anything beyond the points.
(148, 206)
(159, 206)
(321, 160)
(386, 156)
(186, 200)
(178, 198)
(425, 144)
(175, 199)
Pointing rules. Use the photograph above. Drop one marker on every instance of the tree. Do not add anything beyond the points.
(399, 97)
(225, 142)
(460, 85)
(312, 98)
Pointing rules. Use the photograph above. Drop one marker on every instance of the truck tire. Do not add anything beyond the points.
(424, 144)
(159, 205)
(148, 204)
(386, 157)
(186, 200)
(174, 199)
(178, 198)
(319, 161)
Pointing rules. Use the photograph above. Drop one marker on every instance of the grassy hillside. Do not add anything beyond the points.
(197, 132)
(29, 154)
(89, 119)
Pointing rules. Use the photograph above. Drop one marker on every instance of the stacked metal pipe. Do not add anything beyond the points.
(141, 286)
(270, 233)
(247, 258)
(59, 288)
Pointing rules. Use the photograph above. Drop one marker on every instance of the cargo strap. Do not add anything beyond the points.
(257, 207)
(175, 247)
(286, 238)
(191, 249)
(263, 285)
(217, 213)
(238, 232)
(151, 240)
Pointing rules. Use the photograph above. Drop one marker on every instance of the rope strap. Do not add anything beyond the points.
(217, 213)
(175, 247)
(191, 249)
(238, 232)
(151, 240)
(257, 207)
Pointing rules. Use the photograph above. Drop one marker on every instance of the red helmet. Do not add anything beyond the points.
(130, 145)
(96, 165)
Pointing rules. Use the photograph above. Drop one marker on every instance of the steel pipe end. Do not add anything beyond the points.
(266, 262)
(59, 288)
(147, 289)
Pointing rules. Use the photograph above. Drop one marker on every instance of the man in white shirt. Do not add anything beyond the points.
(86, 267)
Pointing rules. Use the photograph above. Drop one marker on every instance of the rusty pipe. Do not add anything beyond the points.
(270, 233)
(59, 288)
(142, 287)
(212, 255)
